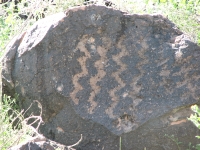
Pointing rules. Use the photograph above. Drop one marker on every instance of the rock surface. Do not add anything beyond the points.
(103, 73)
(39, 143)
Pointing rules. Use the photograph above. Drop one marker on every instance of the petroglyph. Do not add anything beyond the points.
(99, 64)
(125, 123)
(123, 67)
(134, 84)
(101, 73)
(145, 60)
(82, 62)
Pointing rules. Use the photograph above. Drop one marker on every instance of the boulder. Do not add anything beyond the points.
(39, 143)
(108, 75)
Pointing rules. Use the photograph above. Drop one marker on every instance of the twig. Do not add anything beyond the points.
(70, 147)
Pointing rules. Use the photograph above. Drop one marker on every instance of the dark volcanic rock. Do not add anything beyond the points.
(103, 73)
(39, 143)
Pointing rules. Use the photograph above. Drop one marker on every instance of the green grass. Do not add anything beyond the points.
(175, 140)
(13, 129)
(195, 119)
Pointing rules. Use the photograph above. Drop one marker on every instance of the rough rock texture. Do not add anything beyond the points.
(33, 146)
(103, 73)
(39, 143)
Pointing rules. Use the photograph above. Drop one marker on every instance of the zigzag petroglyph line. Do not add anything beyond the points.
(101, 73)
(136, 88)
(112, 92)
(82, 62)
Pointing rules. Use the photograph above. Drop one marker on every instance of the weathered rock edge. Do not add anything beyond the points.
(117, 70)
